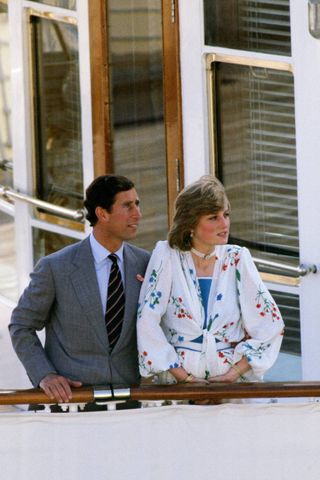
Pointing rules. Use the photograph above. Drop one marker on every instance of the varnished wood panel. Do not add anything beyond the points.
(101, 122)
(172, 101)
(102, 127)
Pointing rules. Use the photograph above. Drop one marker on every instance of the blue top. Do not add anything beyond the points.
(205, 285)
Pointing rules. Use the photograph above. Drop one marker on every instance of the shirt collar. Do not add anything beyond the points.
(100, 253)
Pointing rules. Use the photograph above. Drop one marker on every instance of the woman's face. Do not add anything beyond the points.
(212, 229)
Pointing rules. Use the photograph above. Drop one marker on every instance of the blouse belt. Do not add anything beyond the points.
(210, 342)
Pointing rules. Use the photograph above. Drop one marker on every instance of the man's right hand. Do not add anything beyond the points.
(58, 388)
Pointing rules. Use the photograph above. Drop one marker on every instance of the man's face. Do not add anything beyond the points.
(122, 222)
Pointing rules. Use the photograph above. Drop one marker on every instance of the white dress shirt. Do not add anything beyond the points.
(103, 266)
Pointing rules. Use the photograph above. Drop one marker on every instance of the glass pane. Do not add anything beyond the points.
(137, 107)
(8, 269)
(288, 304)
(70, 4)
(58, 115)
(260, 25)
(5, 101)
(288, 365)
(45, 242)
(257, 157)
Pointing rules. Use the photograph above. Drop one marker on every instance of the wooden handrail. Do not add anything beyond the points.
(37, 396)
(217, 391)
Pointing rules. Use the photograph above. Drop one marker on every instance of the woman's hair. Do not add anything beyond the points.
(204, 197)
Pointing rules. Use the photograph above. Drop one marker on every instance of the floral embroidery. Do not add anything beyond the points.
(226, 355)
(173, 336)
(196, 284)
(211, 320)
(179, 310)
(266, 306)
(146, 363)
(181, 354)
(191, 271)
(233, 255)
(222, 333)
(152, 294)
(174, 365)
(233, 258)
(154, 299)
(251, 352)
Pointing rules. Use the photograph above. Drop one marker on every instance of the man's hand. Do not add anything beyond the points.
(58, 388)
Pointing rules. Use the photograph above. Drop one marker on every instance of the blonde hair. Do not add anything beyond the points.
(203, 197)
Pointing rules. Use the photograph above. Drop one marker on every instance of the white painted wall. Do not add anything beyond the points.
(306, 62)
(306, 65)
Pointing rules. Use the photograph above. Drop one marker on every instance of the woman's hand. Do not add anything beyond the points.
(229, 377)
(234, 373)
(182, 376)
(202, 381)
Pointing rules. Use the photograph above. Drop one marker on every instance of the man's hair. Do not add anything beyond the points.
(102, 193)
(204, 197)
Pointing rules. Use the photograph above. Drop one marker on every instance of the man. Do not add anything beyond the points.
(68, 296)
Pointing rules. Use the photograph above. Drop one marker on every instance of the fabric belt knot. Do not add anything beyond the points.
(115, 303)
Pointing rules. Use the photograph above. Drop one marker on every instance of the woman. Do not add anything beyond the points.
(204, 314)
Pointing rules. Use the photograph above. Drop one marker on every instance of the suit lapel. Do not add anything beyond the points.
(84, 280)
(132, 288)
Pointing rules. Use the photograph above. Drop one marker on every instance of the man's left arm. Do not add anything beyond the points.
(31, 315)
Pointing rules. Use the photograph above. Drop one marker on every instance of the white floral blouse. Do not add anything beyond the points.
(242, 317)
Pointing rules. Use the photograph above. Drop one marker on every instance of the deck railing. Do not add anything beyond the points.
(144, 393)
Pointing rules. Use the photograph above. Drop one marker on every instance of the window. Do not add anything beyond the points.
(59, 178)
(138, 132)
(70, 4)
(259, 25)
(256, 156)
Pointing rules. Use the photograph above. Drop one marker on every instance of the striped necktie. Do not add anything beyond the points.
(115, 303)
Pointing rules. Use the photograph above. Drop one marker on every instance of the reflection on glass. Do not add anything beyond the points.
(257, 157)
(70, 4)
(8, 269)
(5, 101)
(135, 48)
(45, 243)
(57, 116)
(259, 25)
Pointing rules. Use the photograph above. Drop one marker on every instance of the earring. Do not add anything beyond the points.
(191, 234)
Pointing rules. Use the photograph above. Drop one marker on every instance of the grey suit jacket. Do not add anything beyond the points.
(63, 297)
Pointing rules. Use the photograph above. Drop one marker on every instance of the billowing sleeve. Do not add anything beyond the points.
(261, 318)
(156, 354)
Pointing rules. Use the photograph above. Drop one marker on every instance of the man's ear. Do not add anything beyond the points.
(102, 214)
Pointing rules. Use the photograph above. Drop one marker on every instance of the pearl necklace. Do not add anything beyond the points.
(205, 256)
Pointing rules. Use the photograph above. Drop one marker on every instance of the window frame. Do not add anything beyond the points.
(101, 115)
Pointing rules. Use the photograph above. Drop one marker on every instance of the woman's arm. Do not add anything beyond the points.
(156, 354)
(182, 376)
(235, 373)
(260, 317)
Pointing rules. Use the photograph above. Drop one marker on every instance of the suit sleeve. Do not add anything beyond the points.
(30, 316)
